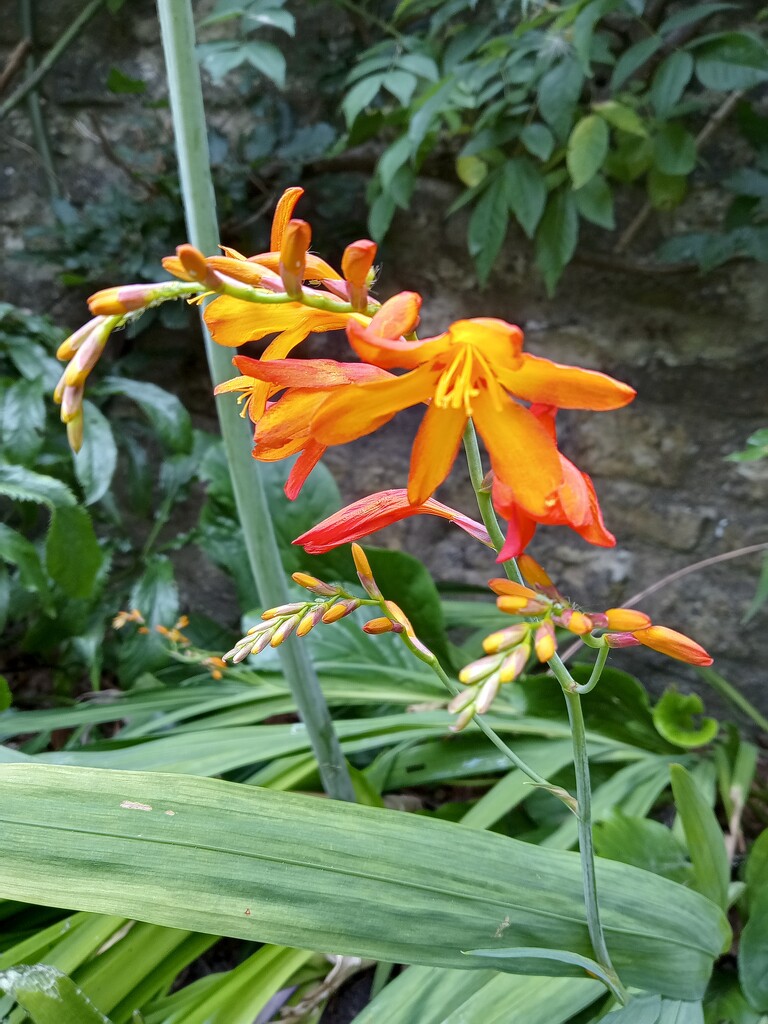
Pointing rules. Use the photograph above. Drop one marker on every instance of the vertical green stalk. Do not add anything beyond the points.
(578, 733)
(178, 37)
(39, 132)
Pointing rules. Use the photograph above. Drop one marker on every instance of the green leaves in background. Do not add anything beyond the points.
(165, 412)
(587, 149)
(706, 848)
(674, 717)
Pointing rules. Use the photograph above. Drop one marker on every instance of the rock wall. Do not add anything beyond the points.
(693, 346)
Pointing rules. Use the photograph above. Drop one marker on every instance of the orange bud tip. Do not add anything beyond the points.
(505, 638)
(575, 621)
(520, 606)
(507, 588)
(357, 261)
(382, 625)
(293, 255)
(673, 644)
(626, 619)
(315, 585)
(193, 263)
(75, 433)
(532, 572)
(339, 610)
(283, 609)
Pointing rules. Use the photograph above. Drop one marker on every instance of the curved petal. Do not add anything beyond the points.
(288, 420)
(302, 467)
(673, 644)
(315, 268)
(233, 322)
(567, 387)
(500, 342)
(399, 315)
(434, 450)
(520, 531)
(286, 204)
(360, 409)
(307, 373)
(523, 455)
(385, 352)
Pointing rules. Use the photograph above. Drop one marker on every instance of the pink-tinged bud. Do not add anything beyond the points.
(521, 606)
(67, 348)
(293, 255)
(487, 694)
(626, 619)
(599, 620)
(284, 630)
(355, 266)
(464, 719)
(86, 357)
(400, 617)
(313, 584)
(575, 621)
(340, 610)
(310, 620)
(461, 701)
(283, 609)
(619, 640)
(545, 642)
(505, 638)
(673, 644)
(364, 573)
(514, 663)
(125, 299)
(532, 572)
(71, 403)
(477, 670)
(382, 625)
(75, 432)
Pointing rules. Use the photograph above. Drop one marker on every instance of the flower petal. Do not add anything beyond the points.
(523, 455)
(302, 467)
(567, 387)
(359, 409)
(308, 373)
(673, 644)
(386, 352)
(434, 450)
(286, 204)
(233, 322)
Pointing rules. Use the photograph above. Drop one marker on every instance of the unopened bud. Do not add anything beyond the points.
(544, 641)
(68, 348)
(355, 265)
(520, 606)
(488, 693)
(462, 700)
(75, 432)
(532, 572)
(284, 630)
(508, 588)
(575, 621)
(71, 403)
(382, 625)
(284, 609)
(87, 355)
(505, 638)
(310, 620)
(618, 640)
(464, 719)
(196, 267)
(293, 255)
(313, 584)
(364, 573)
(626, 619)
(514, 663)
(478, 670)
(116, 301)
(340, 610)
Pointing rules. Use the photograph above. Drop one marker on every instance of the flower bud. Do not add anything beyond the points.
(532, 572)
(626, 619)
(340, 610)
(619, 640)
(464, 719)
(462, 700)
(505, 638)
(477, 670)
(284, 609)
(544, 641)
(194, 264)
(293, 255)
(67, 348)
(284, 630)
(364, 573)
(313, 584)
(124, 299)
(487, 694)
(355, 265)
(673, 644)
(514, 663)
(508, 588)
(382, 625)
(521, 606)
(310, 620)
(575, 621)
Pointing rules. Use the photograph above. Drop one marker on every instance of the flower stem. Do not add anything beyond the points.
(572, 691)
(177, 30)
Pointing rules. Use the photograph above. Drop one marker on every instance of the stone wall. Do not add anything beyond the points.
(693, 346)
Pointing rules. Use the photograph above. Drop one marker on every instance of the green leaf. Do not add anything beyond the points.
(756, 872)
(155, 594)
(633, 59)
(753, 954)
(96, 461)
(594, 201)
(471, 170)
(645, 843)
(17, 550)
(666, 191)
(669, 81)
(22, 419)
(73, 555)
(290, 869)
(730, 60)
(706, 847)
(488, 226)
(556, 237)
(559, 91)
(630, 158)
(526, 193)
(697, 12)
(644, 1008)
(360, 96)
(6, 697)
(435, 100)
(538, 140)
(163, 410)
(674, 149)
(587, 149)
(392, 159)
(267, 59)
(122, 84)
(380, 216)
(621, 116)
(590, 967)
(25, 485)
(674, 717)
(49, 996)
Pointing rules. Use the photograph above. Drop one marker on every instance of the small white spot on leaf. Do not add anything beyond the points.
(131, 805)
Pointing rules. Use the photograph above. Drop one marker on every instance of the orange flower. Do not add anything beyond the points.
(665, 641)
(469, 371)
(574, 503)
(284, 429)
(367, 515)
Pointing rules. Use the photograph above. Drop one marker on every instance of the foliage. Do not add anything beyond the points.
(76, 546)
(553, 117)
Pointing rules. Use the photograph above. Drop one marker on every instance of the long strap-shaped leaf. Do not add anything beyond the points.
(222, 858)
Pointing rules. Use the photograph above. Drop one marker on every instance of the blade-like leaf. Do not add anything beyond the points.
(590, 967)
(50, 997)
(217, 857)
(711, 871)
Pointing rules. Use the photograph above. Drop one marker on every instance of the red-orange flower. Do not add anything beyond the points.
(573, 504)
(469, 371)
(374, 512)
(665, 641)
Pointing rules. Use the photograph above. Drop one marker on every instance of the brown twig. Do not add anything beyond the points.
(704, 136)
(14, 62)
(672, 577)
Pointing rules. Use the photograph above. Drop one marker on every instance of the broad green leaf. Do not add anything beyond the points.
(630, 158)
(22, 419)
(674, 149)
(538, 140)
(360, 96)
(471, 170)
(526, 193)
(556, 237)
(644, 1008)
(435, 100)
(559, 91)
(49, 996)
(594, 201)
(392, 159)
(488, 227)
(633, 59)
(706, 847)
(217, 857)
(590, 967)
(696, 12)
(587, 149)
(267, 59)
(670, 80)
(96, 461)
(401, 84)
(753, 953)
(674, 717)
(163, 410)
(666, 191)
(23, 484)
(621, 116)
(156, 595)
(725, 1002)
(645, 843)
(17, 550)
(731, 60)
(6, 697)
(380, 216)
(756, 872)
(73, 555)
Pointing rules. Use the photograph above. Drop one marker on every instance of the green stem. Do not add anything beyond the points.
(39, 132)
(594, 678)
(48, 61)
(571, 690)
(178, 37)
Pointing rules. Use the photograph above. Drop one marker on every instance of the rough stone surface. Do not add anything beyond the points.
(693, 346)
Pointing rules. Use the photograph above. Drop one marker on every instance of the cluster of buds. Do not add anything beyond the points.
(181, 648)
(509, 650)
